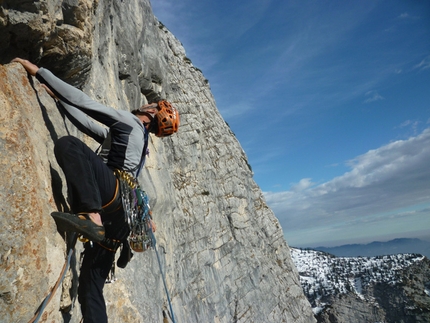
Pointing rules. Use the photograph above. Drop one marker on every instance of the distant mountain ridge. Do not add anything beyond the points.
(378, 248)
(389, 288)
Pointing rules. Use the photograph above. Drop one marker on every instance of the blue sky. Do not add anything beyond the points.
(330, 101)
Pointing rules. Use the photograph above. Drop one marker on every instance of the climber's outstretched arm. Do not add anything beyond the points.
(77, 117)
(75, 98)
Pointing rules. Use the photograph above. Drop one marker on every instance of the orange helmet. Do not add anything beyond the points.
(167, 119)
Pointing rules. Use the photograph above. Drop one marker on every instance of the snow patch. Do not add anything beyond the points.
(322, 274)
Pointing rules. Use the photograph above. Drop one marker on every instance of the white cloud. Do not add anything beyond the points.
(235, 109)
(302, 185)
(408, 123)
(383, 185)
(413, 125)
(373, 96)
(424, 64)
(406, 15)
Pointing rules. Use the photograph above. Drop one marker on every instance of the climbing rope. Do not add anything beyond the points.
(154, 242)
(40, 310)
(48, 298)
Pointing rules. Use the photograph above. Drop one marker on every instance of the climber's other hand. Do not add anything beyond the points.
(48, 90)
(153, 226)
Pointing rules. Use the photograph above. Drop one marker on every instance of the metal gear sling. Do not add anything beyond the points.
(137, 212)
(138, 216)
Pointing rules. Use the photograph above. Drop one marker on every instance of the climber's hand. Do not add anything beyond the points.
(48, 90)
(153, 226)
(30, 67)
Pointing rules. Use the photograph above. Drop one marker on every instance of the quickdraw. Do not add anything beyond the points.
(137, 212)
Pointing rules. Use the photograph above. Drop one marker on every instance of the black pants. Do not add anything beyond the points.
(94, 271)
(91, 184)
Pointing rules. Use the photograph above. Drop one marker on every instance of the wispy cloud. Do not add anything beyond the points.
(412, 124)
(424, 64)
(381, 185)
(406, 15)
(373, 96)
(235, 109)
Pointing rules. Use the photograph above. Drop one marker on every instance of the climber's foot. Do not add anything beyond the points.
(82, 224)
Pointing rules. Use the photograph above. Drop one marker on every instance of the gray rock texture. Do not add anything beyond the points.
(221, 248)
(351, 308)
(403, 299)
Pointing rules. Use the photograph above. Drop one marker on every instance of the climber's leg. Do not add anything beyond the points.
(94, 271)
(90, 182)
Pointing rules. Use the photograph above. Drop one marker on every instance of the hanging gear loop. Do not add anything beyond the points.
(137, 211)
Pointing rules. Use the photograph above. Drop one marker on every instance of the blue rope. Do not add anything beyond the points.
(154, 242)
(143, 202)
(47, 298)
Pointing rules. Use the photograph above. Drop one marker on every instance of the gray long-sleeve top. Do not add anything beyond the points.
(124, 142)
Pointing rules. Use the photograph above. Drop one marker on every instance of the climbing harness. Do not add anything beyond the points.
(115, 203)
(47, 299)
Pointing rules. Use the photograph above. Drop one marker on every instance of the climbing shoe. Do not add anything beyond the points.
(80, 223)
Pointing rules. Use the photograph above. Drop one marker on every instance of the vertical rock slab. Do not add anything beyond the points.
(31, 250)
(224, 250)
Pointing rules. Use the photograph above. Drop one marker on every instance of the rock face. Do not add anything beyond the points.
(405, 302)
(351, 308)
(31, 252)
(221, 248)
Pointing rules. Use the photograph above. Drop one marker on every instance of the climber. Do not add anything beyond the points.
(91, 181)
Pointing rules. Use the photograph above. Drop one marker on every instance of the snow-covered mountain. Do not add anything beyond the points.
(365, 289)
